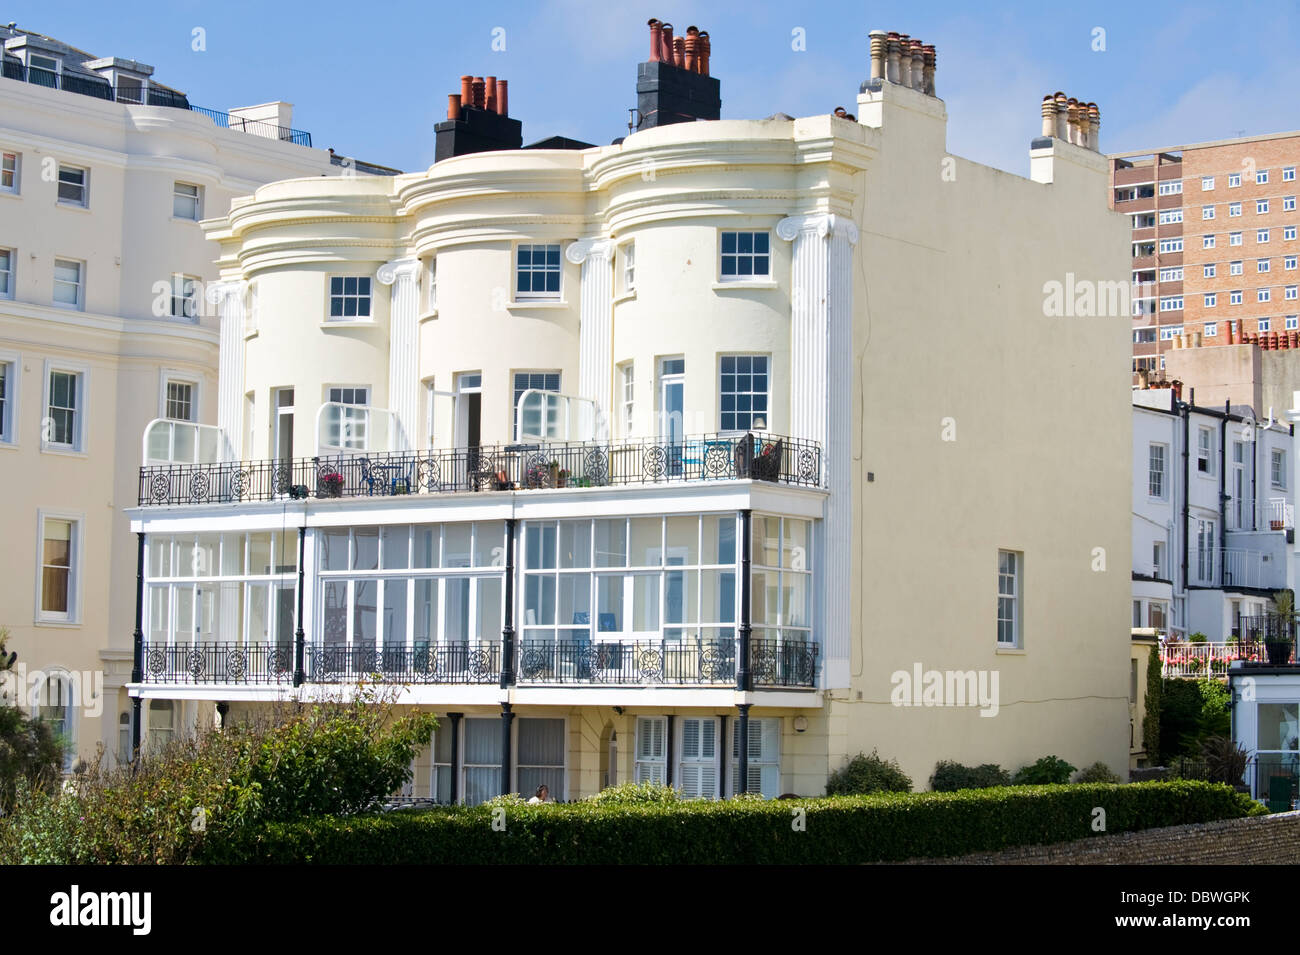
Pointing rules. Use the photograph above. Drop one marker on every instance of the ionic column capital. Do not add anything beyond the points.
(218, 292)
(578, 252)
(822, 223)
(390, 272)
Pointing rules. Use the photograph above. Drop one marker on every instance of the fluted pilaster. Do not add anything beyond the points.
(403, 347)
(229, 299)
(596, 331)
(821, 375)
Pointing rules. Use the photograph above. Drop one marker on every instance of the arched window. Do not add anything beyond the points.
(124, 739)
(54, 705)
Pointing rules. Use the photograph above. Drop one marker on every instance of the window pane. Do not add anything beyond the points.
(366, 556)
(489, 544)
(575, 543)
(645, 603)
(455, 545)
(611, 543)
(609, 602)
(395, 542)
(647, 541)
(489, 608)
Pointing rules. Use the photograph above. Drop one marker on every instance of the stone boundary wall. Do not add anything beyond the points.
(1257, 840)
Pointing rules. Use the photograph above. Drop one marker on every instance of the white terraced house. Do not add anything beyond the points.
(1213, 527)
(105, 174)
(633, 463)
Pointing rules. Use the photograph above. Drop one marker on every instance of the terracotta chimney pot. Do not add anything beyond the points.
(501, 98)
(918, 66)
(706, 48)
(478, 92)
(666, 43)
(688, 53)
(928, 68)
(904, 60)
(656, 39)
(490, 94)
(467, 91)
(453, 106)
(1062, 112)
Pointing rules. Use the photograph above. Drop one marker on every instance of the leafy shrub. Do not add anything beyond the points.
(950, 776)
(1151, 721)
(868, 774)
(1225, 761)
(30, 752)
(636, 794)
(1191, 711)
(840, 829)
(1098, 772)
(1045, 772)
(328, 758)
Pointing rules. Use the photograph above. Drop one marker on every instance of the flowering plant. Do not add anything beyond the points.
(332, 480)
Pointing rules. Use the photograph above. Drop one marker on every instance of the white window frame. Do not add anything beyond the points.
(1170, 246)
(1263, 295)
(1289, 262)
(1157, 478)
(1207, 242)
(704, 764)
(361, 415)
(1234, 297)
(1292, 323)
(754, 416)
(1288, 233)
(11, 272)
(1205, 452)
(1289, 293)
(80, 303)
(76, 549)
(627, 267)
(197, 199)
(1234, 180)
(1015, 595)
(168, 378)
(1172, 188)
(184, 298)
(1207, 212)
(1207, 183)
(551, 410)
(1261, 177)
(765, 737)
(1234, 238)
(1288, 173)
(1262, 265)
(1171, 303)
(1209, 271)
(1236, 268)
(1234, 210)
(1171, 216)
(433, 285)
(80, 410)
(11, 162)
(1173, 273)
(1261, 207)
(40, 695)
(650, 764)
(1211, 329)
(1277, 468)
(1264, 325)
(546, 269)
(84, 201)
(627, 396)
(9, 410)
(345, 296)
(1170, 332)
(1211, 299)
(752, 256)
(1261, 236)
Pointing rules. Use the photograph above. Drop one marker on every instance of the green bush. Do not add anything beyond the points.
(842, 829)
(636, 794)
(1191, 712)
(1151, 721)
(1045, 772)
(1098, 772)
(950, 776)
(312, 760)
(30, 753)
(864, 774)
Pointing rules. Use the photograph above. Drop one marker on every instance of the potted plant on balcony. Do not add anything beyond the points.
(1279, 640)
(563, 478)
(331, 484)
(553, 473)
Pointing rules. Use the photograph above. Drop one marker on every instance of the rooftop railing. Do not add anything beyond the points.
(151, 96)
(358, 473)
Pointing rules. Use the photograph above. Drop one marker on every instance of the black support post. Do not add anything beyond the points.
(668, 752)
(454, 795)
(744, 678)
(300, 637)
(508, 631)
(137, 645)
(742, 745)
(722, 754)
(506, 718)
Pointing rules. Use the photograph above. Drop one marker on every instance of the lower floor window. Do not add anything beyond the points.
(651, 749)
(541, 757)
(698, 767)
(162, 723)
(764, 769)
(482, 760)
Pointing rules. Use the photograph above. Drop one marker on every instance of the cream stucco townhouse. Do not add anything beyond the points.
(712, 456)
(105, 174)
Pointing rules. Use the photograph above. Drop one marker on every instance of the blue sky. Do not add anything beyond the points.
(372, 79)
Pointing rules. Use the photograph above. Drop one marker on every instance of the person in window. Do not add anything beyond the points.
(542, 795)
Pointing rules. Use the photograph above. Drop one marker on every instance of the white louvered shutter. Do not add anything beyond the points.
(699, 764)
(651, 736)
(764, 757)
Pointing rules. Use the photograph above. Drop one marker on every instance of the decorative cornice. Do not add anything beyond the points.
(390, 272)
(822, 223)
(577, 252)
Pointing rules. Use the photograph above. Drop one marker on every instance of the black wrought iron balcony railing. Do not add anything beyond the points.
(490, 468)
(137, 95)
(786, 663)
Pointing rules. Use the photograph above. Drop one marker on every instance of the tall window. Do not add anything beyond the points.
(69, 283)
(745, 256)
(6, 273)
(185, 201)
(54, 706)
(8, 172)
(537, 271)
(348, 427)
(651, 749)
(1205, 450)
(627, 385)
(58, 586)
(350, 296)
(742, 392)
(540, 761)
(1156, 471)
(1278, 468)
(1009, 577)
(63, 410)
(180, 400)
(8, 390)
(698, 770)
(780, 579)
(73, 185)
(764, 775)
(185, 302)
(162, 724)
(629, 267)
(1157, 558)
(482, 759)
(533, 414)
(1205, 551)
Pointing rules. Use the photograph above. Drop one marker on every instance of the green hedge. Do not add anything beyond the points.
(842, 829)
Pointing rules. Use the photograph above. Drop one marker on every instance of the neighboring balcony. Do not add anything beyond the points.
(1252, 568)
(781, 663)
(360, 473)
